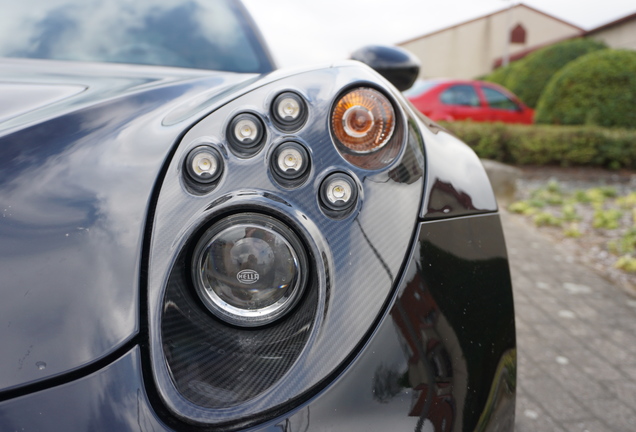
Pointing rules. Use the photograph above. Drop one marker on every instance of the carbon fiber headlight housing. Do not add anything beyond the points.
(341, 227)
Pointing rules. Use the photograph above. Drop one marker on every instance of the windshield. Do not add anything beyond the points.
(206, 34)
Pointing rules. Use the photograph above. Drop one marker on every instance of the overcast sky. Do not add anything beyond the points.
(318, 31)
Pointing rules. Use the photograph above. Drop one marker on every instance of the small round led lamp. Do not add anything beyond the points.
(249, 269)
(338, 192)
(363, 120)
(246, 134)
(204, 164)
(290, 162)
(289, 111)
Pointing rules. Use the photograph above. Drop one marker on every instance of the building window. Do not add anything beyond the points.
(518, 35)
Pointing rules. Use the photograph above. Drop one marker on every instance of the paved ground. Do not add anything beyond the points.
(576, 337)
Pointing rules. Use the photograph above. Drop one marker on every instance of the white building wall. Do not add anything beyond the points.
(469, 50)
(619, 36)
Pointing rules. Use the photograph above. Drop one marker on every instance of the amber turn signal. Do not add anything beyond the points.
(363, 120)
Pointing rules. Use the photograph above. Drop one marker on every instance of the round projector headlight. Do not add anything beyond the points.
(249, 269)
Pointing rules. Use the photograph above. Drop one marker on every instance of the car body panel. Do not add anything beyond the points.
(407, 320)
(74, 204)
(456, 182)
(110, 399)
(422, 368)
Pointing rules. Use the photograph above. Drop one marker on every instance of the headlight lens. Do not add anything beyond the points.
(249, 269)
(246, 134)
(204, 164)
(290, 163)
(338, 193)
(289, 111)
(363, 120)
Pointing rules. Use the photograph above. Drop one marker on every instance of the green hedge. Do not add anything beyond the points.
(596, 89)
(504, 74)
(532, 74)
(549, 145)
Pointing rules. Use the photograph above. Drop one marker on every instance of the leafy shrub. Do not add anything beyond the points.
(582, 197)
(503, 75)
(551, 194)
(628, 201)
(549, 145)
(625, 244)
(523, 207)
(528, 79)
(598, 88)
(572, 231)
(546, 219)
(569, 213)
(608, 219)
(598, 194)
(607, 206)
(626, 263)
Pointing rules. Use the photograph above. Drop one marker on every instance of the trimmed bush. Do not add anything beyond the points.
(529, 78)
(596, 89)
(503, 74)
(549, 145)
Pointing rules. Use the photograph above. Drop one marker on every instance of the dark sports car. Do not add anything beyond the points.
(192, 240)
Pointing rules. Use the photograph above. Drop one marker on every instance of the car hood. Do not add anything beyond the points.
(81, 147)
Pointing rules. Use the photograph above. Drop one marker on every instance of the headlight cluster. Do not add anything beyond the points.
(268, 264)
(249, 270)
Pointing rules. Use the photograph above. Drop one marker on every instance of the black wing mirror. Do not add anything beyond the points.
(395, 64)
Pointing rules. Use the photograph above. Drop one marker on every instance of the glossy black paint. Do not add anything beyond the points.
(456, 182)
(443, 358)
(74, 193)
(396, 64)
(86, 166)
(111, 399)
(423, 367)
(469, 282)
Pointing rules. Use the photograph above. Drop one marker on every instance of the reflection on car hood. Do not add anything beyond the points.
(33, 90)
(81, 147)
(17, 98)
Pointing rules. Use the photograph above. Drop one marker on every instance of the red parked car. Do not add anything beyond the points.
(480, 101)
